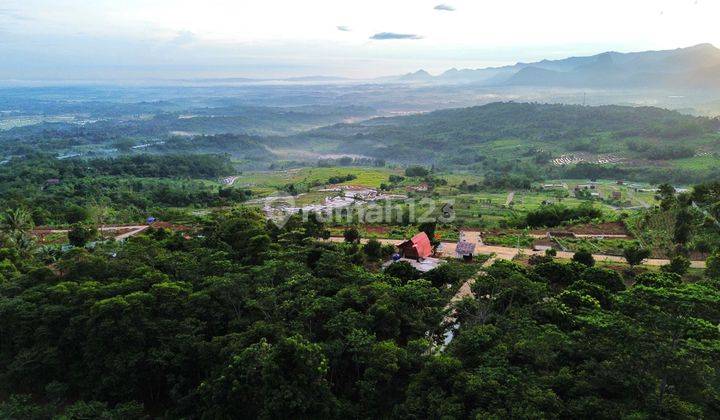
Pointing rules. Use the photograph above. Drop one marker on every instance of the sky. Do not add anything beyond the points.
(166, 39)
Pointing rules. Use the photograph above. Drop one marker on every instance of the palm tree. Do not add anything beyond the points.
(17, 221)
(17, 224)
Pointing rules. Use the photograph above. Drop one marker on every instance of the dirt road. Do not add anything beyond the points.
(131, 230)
(508, 253)
(510, 198)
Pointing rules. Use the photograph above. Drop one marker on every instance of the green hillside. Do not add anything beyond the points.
(532, 132)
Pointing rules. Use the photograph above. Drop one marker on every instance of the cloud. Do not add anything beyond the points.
(342, 28)
(381, 36)
(13, 14)
(184, 38)
(444, 8)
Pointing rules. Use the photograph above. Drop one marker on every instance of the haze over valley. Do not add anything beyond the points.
(333, 210)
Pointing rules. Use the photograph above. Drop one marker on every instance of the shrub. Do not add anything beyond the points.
(679, 264)
(80, 235)
(351, 235)
(403, 270)
(584, 257)
(635, 254)
(658, 280)
(373, 249)
(416, 171)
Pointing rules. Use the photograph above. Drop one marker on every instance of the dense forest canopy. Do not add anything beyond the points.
(248, 320)
(124, 189)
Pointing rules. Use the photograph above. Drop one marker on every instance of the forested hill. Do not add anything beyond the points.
(429, 137)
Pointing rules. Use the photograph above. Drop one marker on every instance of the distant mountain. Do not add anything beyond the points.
(693, 67)
(418, 76)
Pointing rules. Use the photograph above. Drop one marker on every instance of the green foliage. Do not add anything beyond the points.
(341, 179)
(80, 235)
(660, 280)
(403, 271)
(607, 279)
(241, 318)
(373, 249)
(127, 188)
(416, 171)
(351, 235)
(713, 266)
(555, 214)
(679, 264)
(583, 256)
(635, 254)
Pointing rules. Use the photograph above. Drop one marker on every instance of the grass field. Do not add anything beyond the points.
(367, 177)
(697, 162)
(482, 209)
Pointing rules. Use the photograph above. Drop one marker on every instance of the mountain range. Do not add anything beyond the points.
(696, 67)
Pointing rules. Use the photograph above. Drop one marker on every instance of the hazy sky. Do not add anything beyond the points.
(125, 39)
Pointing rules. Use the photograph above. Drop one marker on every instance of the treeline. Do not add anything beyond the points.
(552, 215)
(238, 145)
(126, 189)
(115, 199)
(443, 134)
(653, 175)
(39, 168)
(249, 320)
(341, 178)
(654, 151)
(350, 161)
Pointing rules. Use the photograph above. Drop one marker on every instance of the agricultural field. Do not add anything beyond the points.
(704, 162)
(313, 177)
(483, 209)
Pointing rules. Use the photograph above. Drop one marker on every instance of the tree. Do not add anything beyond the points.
(635, 254)
(666, 196)
(403, 270)
(351, 235)
(416, 171)
(682, 230)
(679, 264)
(17, 224)
(583, 256)
(16, 221)
(712, 263)
(662, 279)
(76, 214)
(124, 145)
(429, 229)
(80, 235)
(373, 249)
(266, 380)
(608, 279)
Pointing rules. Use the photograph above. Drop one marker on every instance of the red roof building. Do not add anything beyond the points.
(417, 247)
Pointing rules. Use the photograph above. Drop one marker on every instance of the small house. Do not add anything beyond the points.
(417, 247)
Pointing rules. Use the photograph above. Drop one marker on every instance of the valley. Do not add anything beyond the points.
(539, 240)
